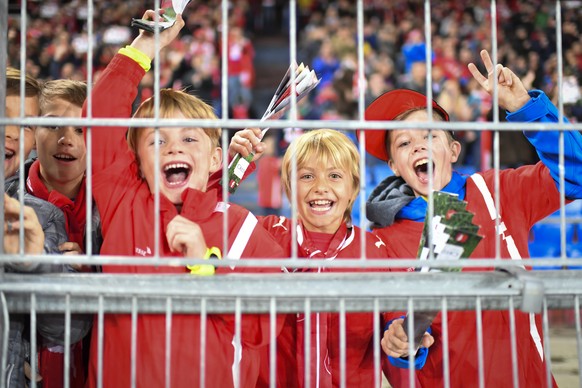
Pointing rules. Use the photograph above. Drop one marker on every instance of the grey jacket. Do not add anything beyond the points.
(11, 187)
(50, 326)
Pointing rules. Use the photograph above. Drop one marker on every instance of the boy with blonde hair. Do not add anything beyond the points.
(327, 184)
(191, 225)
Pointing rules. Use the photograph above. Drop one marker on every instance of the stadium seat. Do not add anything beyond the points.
(573, 209)
(574, 250)
(544, 241)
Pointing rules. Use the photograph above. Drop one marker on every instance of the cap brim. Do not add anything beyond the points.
(387, 107)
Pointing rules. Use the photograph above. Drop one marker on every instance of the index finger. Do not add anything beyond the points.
(258, 134)
(150, 14)
(68, 246)
(476, 74)
(487, 61)
(246, 137)
(252, 134)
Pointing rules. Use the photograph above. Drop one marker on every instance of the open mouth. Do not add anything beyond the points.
(321, 205)
(64, 158)
(421, 170)
(8, 154)
(176, 173)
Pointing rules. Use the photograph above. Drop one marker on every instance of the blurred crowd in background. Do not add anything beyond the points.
(394, 51)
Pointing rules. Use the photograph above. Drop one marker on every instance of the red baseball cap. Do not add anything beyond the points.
(388, 106)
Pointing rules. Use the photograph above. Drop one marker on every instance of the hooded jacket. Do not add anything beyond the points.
(126, 205)
(324, 336)
(527, 195)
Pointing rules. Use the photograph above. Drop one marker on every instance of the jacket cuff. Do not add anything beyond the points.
(537, 107)
(403, 362)
(143, 60)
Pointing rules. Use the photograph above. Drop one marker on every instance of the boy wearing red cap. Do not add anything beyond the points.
(397, 208)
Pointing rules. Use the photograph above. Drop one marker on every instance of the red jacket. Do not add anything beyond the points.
(126, 206)
(527, 195)
(325, 327)
(269, 190)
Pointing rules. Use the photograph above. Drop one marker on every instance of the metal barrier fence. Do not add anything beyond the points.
(297, 293)
(275, 295)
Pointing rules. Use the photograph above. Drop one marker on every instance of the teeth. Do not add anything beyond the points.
(421, 162)
(320, 202)
(176, 165)
(61, 156)
(321, 205)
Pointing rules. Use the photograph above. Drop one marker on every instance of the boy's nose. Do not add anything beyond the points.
(12, 133)
(67, 136)
(64, 140)
(420, 146)
(321, 186)
(174, 147)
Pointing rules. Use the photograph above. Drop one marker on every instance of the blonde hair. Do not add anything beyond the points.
(74, 92)
(326, 145)
(32, 87)
(172, 101)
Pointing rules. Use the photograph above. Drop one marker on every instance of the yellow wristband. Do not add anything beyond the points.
(213, 252)
(206, 269)
(143, 60)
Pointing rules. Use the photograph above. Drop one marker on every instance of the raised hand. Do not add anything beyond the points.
(246, 141)
(145, 41)
(511, 91)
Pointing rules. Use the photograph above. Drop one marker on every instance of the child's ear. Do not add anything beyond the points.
(455, 151)
(391, 165)
(216, 160)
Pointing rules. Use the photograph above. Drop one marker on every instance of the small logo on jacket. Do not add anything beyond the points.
(143, 252)
(379, 243)
(280, 223)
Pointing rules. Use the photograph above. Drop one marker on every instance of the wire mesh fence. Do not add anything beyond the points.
(321, 322)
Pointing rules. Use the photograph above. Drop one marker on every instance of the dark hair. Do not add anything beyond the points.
(74, 92)
(402, 116)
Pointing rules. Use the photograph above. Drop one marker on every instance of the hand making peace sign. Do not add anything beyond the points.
(511, 91)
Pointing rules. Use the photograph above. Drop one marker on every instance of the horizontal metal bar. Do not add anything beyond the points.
(122, 304)
(306, 124)
(324, 289)
(354, 263)
(274, 285)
